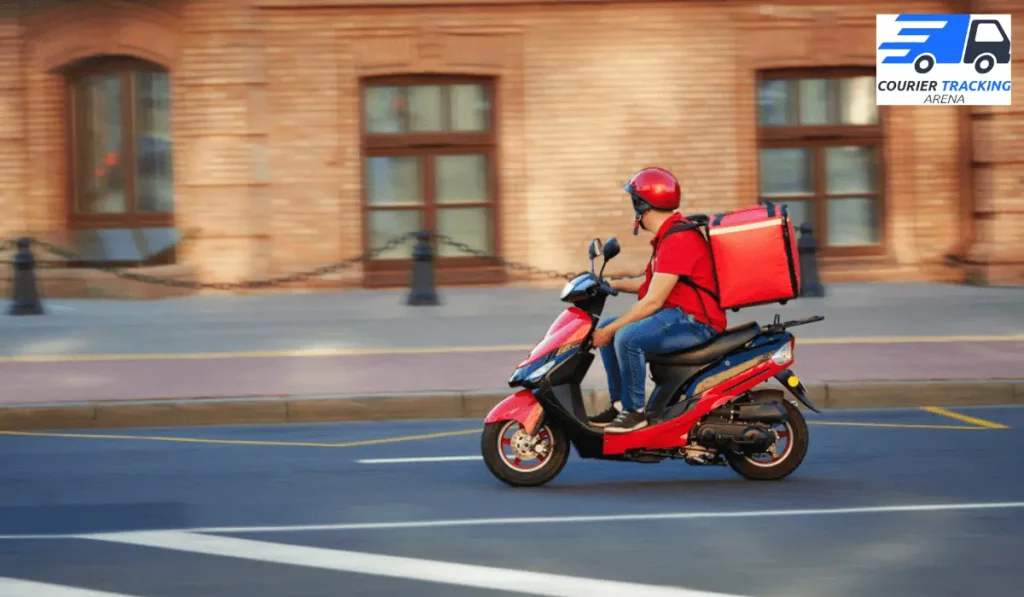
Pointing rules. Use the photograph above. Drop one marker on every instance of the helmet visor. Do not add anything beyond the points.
(640, 205)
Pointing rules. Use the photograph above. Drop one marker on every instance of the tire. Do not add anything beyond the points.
(984, 63)
(793, 453)
(924, 63)
(505, 469)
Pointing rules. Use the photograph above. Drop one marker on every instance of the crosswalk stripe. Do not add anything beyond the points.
(466, 575)
(16, 587)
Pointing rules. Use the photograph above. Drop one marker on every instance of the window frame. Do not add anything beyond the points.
(429, 146)
(816, 139)
(124, 67)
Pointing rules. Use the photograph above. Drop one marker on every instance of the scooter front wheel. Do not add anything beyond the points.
(520, 460)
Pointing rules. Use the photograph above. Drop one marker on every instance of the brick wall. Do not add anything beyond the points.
(265, 120)
(997, 256)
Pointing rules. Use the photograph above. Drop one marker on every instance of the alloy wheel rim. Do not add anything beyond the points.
(516, 448)
(774, 456)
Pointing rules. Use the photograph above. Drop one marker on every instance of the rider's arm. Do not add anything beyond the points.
(673, 260)
(661, 285)
(630, 286)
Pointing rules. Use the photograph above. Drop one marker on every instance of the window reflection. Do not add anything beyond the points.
(122, 148)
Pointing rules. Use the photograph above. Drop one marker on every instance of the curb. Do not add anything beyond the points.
(261, 410)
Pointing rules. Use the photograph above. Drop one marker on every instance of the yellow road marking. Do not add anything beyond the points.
(911, 339)
(350, 352)
(242, 442)
(313, 352)
(965, 418)
(409, 438)
(892, 425)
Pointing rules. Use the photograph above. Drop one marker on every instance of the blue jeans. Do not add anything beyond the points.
(668, 330)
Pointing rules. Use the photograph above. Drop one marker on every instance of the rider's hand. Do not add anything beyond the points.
(602, 337)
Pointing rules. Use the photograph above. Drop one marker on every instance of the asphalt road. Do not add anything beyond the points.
(706, 529)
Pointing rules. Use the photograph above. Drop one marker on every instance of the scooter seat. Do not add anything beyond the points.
(720, 345)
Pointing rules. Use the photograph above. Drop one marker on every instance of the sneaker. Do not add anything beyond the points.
(605, 417)
(627, 421)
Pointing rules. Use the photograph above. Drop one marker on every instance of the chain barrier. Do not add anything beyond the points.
(306, 275)
(464, 248)
(269, 282)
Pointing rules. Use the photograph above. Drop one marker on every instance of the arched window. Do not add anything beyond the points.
(821, 154)
(429, 163)
(119, 145)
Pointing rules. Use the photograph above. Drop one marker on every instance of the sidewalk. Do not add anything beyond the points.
(368, 343)
(469, 317)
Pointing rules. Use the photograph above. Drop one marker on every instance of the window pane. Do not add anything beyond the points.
(101, 176)
(388, 224)
(393, 181)
(814, 102)
(425, 112)
(785, 172)
(774, 100)
(800, 212)
(470, 108)
(850, 170)
(461, 178)
(988, 33)
(852, 222)
(384, 108)
(153, 176)
(857, 101)
(470, 225)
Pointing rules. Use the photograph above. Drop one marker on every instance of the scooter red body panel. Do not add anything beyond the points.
(675, 433)
(516, 407)
(571, 326)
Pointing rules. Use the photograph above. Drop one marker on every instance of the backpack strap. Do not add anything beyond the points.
(682, 227)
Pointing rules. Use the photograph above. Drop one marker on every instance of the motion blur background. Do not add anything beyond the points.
(280, 135)
(223, 142)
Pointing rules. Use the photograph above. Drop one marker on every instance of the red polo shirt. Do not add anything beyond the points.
(686, 254)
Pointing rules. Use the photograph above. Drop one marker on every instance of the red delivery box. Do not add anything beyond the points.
(755, 255)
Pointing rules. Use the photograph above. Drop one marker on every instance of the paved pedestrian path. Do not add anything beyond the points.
(366, 342)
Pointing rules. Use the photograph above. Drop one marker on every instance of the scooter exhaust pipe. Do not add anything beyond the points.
(733, 436)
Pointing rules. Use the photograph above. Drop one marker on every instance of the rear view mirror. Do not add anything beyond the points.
(594, 251)
(611, 248)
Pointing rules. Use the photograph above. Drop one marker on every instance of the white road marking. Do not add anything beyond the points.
(610, 518)
(14, 587)
(449, 573)
(423, 459)
(469, 522)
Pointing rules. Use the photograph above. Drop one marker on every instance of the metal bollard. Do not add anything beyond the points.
(807, 247)
(423, 292)
(24, 292)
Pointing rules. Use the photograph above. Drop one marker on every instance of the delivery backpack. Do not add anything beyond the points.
(754, 256)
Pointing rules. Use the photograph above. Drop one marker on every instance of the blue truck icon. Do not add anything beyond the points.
(984, 45)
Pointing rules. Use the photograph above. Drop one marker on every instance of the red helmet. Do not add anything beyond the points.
(652, 188)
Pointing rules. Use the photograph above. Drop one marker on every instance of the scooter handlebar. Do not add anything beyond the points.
(605, 286)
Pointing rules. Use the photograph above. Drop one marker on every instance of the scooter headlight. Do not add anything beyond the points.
(541, 372)
(566, 290)
(784, 355)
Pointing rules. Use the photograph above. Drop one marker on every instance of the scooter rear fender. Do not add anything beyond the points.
(516, 407)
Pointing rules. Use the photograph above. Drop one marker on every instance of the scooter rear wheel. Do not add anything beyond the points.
(522, 461)
(780, 464)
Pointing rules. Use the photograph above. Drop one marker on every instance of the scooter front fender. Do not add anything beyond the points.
(517, 407)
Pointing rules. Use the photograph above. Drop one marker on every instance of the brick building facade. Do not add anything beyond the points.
(282, 135)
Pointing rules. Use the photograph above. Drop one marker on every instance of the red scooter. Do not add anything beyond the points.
(703, 410)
